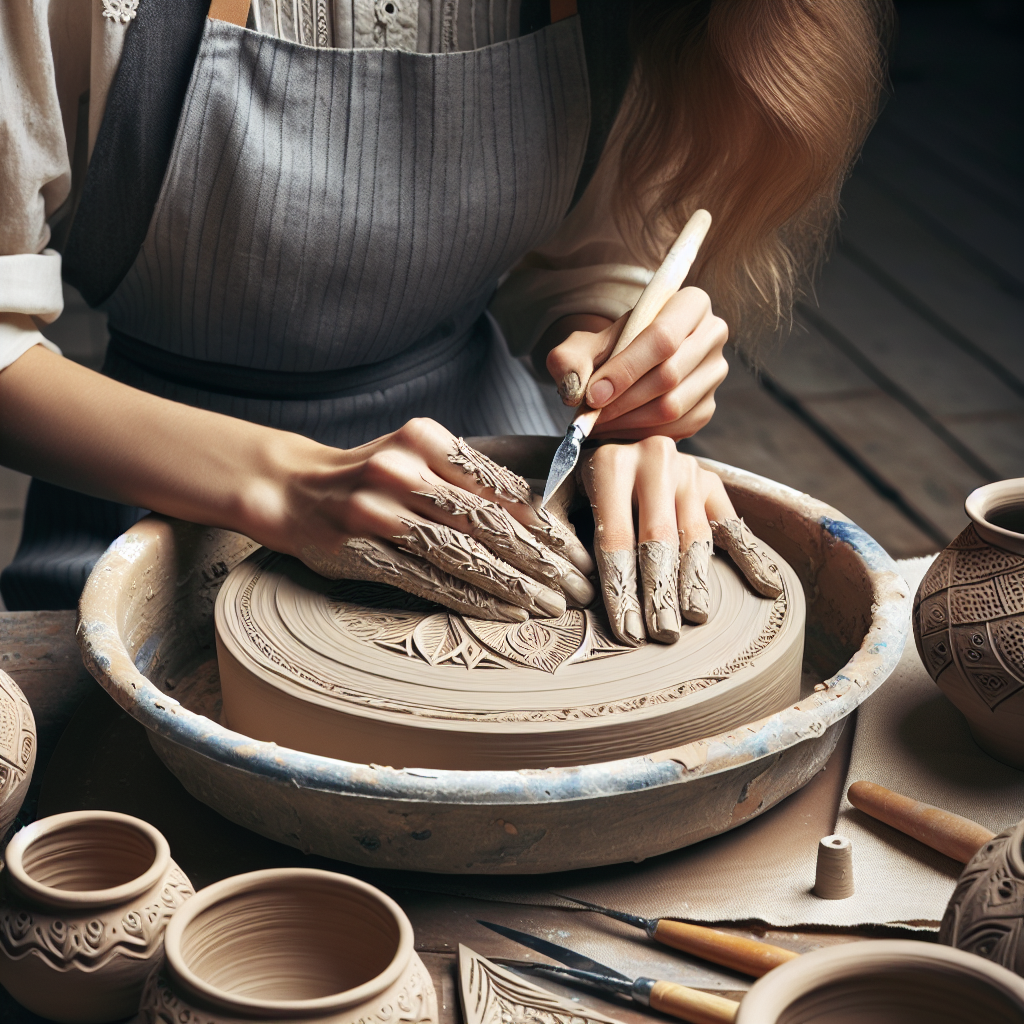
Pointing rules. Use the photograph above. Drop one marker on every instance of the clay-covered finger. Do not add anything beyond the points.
(608, 477)
(460, 555)
(360, 558)
(734, 536)
(694, 570)
(512, 489)
(490, 524)
(656, 488)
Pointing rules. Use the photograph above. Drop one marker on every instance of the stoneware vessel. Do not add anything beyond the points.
(17, 750)
(886, 981)
(969, 620)
(986, 912)
(84, 901)
(290, 944)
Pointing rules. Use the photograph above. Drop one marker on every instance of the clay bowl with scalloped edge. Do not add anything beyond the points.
(886, 981)
(290, 944)
(84, 900)
(147, 635)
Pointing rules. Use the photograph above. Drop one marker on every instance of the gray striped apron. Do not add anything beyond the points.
(326, 237)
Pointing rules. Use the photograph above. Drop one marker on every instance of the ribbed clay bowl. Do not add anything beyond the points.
(146, 631)
(886, 981)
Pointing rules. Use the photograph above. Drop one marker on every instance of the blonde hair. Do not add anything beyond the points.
(754, 110)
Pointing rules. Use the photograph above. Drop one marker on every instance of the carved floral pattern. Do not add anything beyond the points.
(17, 749)
(90, 942)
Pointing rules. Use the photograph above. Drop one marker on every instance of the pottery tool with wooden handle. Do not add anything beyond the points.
(685, 1003)
(949, 833)
(748, 956)
(667, 280)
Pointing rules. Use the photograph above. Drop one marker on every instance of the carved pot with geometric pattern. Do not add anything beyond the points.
(293, 944)
(986, 911)
(17, 750)
(969, 620)
(85, 898)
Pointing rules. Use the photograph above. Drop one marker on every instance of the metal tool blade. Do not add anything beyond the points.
(569, 957)
(647, 924)
(605, 983)
(564, 462)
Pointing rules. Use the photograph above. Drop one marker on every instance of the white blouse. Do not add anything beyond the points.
(58, 57)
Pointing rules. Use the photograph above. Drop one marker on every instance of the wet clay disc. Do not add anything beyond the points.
(364, 672)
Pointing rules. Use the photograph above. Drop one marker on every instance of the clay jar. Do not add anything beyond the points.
(969, 620)
(290, 944)
(84, 901)
(17, 750)
(986, 912)
(885, 981)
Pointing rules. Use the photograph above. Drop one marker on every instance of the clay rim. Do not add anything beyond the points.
(995, 497)
(774, 993)
(107, 658)
(84, 898)
(271, 1008)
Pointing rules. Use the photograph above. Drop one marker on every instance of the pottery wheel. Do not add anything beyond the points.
(364, 672)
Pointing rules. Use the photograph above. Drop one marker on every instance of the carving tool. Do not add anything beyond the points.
(685, 1003)
(667, 280)
(748, 956)
(949, 833)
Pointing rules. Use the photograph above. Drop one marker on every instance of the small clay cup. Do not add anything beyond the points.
(290, 944)
(17, 750)
(986, 911)
(969, 620)
(886, 981)
(85, 898)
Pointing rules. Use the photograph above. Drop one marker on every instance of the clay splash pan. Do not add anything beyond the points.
(366, 673)
(147, 634)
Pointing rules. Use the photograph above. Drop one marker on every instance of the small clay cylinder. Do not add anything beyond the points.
(833, 879)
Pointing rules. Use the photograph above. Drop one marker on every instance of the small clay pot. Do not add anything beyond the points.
(986, 912)
(84, 901)
(17, 750)
(969, 620)
(290, 944)
(885, 981)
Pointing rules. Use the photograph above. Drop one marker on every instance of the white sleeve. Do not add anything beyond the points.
(585, 267)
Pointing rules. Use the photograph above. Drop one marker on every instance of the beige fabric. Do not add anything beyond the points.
(53, 51)
(907, 737)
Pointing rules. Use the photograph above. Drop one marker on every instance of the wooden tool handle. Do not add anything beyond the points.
(667, 280)
(956, 837)
(690, 1005)
(747, 956)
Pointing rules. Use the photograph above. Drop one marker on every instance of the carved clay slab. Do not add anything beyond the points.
(366, 673)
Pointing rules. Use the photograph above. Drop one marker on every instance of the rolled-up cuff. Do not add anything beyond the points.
(17, 335)
(30, 284)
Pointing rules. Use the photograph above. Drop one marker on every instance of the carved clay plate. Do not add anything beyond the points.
(366, 673)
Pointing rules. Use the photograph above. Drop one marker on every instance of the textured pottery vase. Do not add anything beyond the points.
(85, 898)
(290, 944)
(17, 750)
(969, 620)
(885, 981)
(986, 912)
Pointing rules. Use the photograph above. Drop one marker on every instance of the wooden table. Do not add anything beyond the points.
(38, 650)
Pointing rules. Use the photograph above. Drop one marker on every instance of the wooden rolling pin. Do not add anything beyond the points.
(956, 837)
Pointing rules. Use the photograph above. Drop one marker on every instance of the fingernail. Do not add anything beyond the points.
(571, 388)
(668, 625)
(600, 392)
(696, 609)
(552, 604)
(516, 614)
(633, 626)
(578, 588)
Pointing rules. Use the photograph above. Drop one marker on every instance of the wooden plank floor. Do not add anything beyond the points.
(901, 387)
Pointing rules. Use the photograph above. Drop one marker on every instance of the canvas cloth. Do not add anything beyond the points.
(907, 737)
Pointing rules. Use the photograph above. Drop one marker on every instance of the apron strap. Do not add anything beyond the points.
(234, 12)
(133, 146)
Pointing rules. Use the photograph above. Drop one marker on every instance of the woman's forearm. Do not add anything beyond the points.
(71, 426)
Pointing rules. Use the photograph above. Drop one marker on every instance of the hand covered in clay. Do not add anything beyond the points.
(680, 510)
(422, 510)
(663, 383)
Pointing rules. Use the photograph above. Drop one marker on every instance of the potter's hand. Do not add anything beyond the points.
(422, 510)
(663, 383)
(680, 508)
